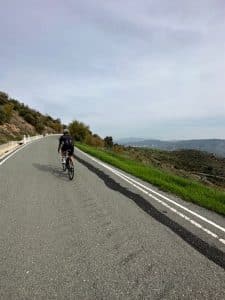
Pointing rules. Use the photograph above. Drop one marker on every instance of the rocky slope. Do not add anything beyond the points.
(17, 120)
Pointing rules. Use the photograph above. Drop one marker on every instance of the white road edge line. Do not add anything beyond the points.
(144, 189)
(175, 203)
(9, 152)
(175, 211)
(14, 152)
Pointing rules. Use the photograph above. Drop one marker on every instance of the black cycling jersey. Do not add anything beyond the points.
(65, 142)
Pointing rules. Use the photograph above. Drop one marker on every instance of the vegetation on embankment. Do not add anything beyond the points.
(193, 164)
(17, 119)
(190, 190)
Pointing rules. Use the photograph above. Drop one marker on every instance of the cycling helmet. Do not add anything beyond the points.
(65, 131)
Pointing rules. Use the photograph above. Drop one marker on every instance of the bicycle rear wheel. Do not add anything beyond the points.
(70, 169)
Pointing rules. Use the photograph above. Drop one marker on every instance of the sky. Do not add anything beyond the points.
(143, 68)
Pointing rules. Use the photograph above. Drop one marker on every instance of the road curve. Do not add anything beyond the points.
(97, 237)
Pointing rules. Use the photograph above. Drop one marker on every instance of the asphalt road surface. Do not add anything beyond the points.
(99, 236)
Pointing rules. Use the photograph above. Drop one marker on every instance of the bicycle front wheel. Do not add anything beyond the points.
(64, 166)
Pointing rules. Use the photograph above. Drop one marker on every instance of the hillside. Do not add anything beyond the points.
(194, 164)
(18, 119)
(215, 146)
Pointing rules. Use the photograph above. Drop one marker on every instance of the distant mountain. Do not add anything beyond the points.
(129, 140)
(216, 146)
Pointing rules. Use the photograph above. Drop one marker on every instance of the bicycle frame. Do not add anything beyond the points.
(67, 163)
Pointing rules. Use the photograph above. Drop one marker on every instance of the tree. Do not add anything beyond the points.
(30, 118)
(57, 127)
(79, 131)
(39, 127)
(8, 109)
(3, 98)
(94, 140)
(2, 116)
(108, 140)
(16, 104)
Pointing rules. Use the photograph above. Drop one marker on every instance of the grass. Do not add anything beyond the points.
(187, 189)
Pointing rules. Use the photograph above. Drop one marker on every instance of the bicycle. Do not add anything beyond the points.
(63, 161)
(67, 163)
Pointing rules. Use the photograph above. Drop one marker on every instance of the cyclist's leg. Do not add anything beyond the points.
(63, 150)
(70, 154)
(67, 160)
(63, 155)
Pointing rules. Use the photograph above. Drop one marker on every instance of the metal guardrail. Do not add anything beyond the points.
(10, 146)
(27, 139)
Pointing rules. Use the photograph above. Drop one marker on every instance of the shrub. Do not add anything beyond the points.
(8, 109)
(3, 98)
(3, 117)
(30, 119)
(39, 127)
(108, 142)
(79, 131)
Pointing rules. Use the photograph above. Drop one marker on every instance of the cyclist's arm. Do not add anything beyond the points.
(60, 144)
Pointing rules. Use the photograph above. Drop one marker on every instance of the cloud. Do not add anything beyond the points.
(123, 67)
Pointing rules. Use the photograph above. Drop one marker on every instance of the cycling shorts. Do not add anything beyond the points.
(69, 149)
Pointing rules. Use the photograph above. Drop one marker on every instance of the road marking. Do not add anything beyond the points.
(14, 152)
(175, 210)
(146, 190)
(175, 203)
(8, 152)
(27, 143)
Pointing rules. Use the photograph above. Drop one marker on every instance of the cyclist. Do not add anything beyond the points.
(66, 144)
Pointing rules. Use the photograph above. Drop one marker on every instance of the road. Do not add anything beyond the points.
(98, 236)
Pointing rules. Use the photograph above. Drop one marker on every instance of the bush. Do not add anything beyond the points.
(8, 109)
(108, 142)
(6, 113)
(23, 111)
(94, 140)
(16, 104)
(3, 98)
(56, 125)
(39, 127)
(28, 117)
(3, 117)
(31, 116)
(79, 131)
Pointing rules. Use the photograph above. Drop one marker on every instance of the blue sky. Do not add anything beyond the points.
(152, 69)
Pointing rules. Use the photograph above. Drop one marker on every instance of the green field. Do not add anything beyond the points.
(187, 189)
